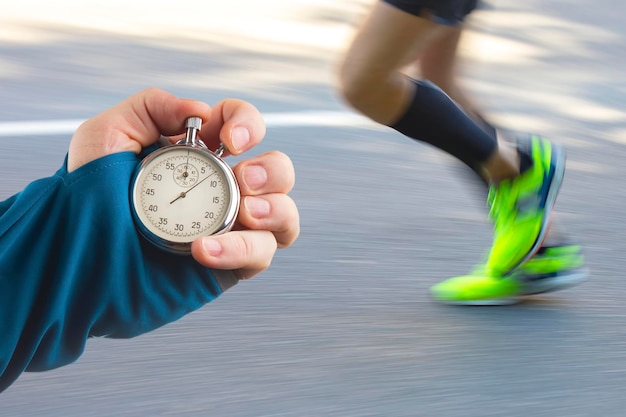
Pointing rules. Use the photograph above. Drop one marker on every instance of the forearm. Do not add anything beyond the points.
(72, 265)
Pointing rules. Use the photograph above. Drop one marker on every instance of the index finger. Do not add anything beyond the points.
(236, 123)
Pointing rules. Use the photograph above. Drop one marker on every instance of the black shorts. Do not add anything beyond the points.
(444, 12)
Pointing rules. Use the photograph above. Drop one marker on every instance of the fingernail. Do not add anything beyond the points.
(211, 246)
(258, 207)
(255, 177)
(240, 137)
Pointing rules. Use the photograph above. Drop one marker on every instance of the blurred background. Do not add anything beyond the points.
(342, 324)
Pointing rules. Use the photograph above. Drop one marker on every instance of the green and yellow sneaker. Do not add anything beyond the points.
(520, 207)
(551, 269)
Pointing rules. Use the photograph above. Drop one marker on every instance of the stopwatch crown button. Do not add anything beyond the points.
(193, 123)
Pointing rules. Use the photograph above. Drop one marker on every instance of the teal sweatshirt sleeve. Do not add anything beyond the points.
(73, 266)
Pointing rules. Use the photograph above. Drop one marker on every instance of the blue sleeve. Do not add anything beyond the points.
(72, 266)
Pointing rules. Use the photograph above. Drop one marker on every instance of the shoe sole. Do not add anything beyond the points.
(484, 303)
(558, 155)
(551, 285)
(545, 285)
(535, 287)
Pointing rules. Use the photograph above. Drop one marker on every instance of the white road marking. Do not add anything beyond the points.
(272, 120)
(38, 127)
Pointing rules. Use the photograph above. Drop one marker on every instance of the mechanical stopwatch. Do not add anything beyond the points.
(183, 191)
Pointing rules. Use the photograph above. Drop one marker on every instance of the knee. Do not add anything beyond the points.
(356, 85)
(351, 88)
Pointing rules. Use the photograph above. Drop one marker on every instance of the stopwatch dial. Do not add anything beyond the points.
(186, 174)
(182, 194)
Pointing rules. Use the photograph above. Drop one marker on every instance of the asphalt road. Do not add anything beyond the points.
(342, 324)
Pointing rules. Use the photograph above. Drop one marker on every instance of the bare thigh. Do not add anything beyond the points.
(389, 39)
(371, 73)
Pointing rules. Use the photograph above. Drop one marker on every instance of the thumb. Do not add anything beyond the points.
(134, 123)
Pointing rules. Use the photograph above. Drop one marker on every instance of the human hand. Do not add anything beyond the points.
(268, 218)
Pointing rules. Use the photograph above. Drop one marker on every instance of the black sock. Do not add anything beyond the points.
(433, 117)
(488, 127)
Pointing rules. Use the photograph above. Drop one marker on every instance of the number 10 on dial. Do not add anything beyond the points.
(184, 191)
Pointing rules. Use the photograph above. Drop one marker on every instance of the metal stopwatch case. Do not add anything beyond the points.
(183, 191)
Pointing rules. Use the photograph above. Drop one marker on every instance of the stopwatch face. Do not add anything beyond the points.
(181, 193)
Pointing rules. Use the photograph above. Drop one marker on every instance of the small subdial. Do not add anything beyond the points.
(186, 175)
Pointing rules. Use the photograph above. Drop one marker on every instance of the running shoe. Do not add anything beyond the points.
(520, 207)
(551, 269)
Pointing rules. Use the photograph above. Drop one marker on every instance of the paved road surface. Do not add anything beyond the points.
(341, 325)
